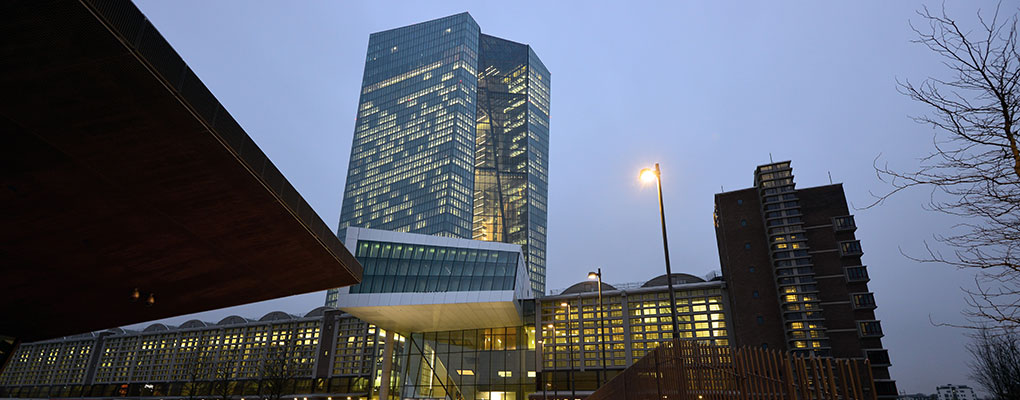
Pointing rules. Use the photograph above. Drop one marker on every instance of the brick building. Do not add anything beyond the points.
(794, 272)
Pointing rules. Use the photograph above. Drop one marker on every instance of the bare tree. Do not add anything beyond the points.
(196, 374)
(974, 169)
(996, 364)
(223, 380)
(276, 371)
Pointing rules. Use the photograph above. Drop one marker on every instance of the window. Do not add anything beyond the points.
(750, 269)
(850, 248)
(844, 223)
(863, 300)
(743, 222)
(740, 201)
(870, 328)
(857, 274)
(754, 294)
(747, 245)
(760, 319)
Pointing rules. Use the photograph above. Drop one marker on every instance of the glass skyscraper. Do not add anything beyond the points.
(452, 138)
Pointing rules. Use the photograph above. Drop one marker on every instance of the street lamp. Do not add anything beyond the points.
(545, 388)
(570, 346)
(649, 175)
(539, 370)
(602, 321)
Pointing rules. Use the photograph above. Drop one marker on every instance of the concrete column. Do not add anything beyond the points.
(627, 338)
(327, 342)
(98, 347)
(387, 367)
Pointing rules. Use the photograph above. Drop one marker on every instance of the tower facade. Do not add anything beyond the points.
(452, 138)
(794, 272)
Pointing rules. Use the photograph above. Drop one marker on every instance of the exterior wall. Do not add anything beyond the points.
(954, 392)
(339, 355)
(635, 322)
(411, 165)
(198, 356)
(747, 270)
(398, 262)
(511, 150)
(59, 362)
(452, 139)
(814, 267)
(492, 363)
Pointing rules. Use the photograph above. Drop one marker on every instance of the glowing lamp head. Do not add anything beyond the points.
(648, 175)
(593, 276)
(551, 326)
(564, 305)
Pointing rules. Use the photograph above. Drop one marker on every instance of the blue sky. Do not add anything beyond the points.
(707, 89)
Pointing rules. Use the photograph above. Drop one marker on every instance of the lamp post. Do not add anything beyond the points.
(539, 371)
(545, 385)
(602, 322)
(647, 175)
(570, 347)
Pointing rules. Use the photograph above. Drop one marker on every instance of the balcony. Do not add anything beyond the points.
(863, 301)
(857, 273)
(869, 329)
(879, 357)
(844, 224)
(850, 248)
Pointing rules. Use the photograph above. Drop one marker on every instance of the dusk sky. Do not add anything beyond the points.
(707, 89)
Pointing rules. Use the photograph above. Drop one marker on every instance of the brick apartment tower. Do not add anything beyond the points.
(793, 267)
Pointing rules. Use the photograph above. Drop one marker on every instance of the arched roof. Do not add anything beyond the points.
(276, 316)
(194, 324)
(233, 320)
(678, 278)
(157, 327)
(318, 311)
(587, 286)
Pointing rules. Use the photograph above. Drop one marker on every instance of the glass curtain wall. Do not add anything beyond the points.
(411, 161)
(491, 364)
(409, 268)
(511, 146)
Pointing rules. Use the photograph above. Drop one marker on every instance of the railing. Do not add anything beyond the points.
(685, 370)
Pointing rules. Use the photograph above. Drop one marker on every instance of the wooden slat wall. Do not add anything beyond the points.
(688, 370)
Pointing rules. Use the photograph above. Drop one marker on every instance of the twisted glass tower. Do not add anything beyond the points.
(452, 138)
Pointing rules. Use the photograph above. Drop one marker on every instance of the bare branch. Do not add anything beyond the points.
(974, 169)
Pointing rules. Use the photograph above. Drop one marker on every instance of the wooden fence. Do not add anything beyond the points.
(685, 370)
